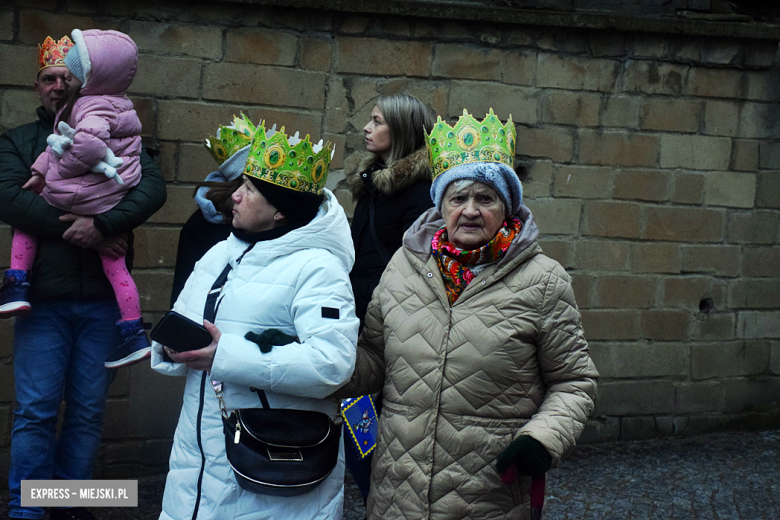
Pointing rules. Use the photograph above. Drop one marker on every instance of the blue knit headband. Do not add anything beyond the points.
(498, 176)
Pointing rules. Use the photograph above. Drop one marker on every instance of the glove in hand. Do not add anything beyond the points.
(525, 456)
(270, 338)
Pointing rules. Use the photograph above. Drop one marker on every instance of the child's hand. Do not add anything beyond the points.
(35, 183)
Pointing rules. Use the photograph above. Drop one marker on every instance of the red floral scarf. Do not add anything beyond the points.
(452, 260)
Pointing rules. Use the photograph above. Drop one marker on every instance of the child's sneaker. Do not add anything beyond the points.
(134, 345)
(15, 293)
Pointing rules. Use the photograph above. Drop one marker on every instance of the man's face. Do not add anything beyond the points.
(53, 86)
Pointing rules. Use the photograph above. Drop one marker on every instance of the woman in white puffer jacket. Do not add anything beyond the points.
(294, 280)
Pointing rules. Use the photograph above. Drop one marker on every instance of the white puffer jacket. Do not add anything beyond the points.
(283, 284)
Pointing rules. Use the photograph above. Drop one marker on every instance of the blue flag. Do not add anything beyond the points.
(361, 420)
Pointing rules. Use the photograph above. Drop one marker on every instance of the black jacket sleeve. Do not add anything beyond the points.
(20, 208)
(196, 237)
(418, 202)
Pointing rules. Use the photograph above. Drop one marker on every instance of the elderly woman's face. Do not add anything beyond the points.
(251, 211)
(472, 215)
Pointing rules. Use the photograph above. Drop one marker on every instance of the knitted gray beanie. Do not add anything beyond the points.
(498, 176)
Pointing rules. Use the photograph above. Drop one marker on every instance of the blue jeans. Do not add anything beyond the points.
(59, 351)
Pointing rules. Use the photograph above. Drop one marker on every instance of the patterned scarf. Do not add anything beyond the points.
(452, 260)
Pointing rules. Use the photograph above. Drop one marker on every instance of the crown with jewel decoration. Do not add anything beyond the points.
(289, 161)
(51, 53)
(471, 141)
(231, 138)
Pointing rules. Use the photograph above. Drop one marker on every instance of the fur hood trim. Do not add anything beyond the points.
(399, 175)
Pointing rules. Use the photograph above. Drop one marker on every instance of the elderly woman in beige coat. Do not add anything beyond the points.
(474, 338)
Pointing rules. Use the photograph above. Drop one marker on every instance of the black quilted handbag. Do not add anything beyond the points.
(280, 452)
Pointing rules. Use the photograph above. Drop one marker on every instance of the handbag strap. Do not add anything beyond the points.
(219, 386)
(261, 395)
(210, 313)
(212, 305)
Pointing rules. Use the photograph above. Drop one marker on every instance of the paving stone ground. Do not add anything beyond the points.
(716, 476)
(733, 476)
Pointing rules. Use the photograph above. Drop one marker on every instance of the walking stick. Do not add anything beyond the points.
(537, 497)
(537, 490)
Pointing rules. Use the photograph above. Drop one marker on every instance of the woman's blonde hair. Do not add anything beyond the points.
(408, 119)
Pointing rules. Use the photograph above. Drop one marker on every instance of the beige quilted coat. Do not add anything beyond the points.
(460, 383)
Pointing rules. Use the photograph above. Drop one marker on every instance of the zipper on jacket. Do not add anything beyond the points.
(200, 447)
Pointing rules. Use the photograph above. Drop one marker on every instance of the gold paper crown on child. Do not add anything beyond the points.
(471, 141)
(231, 138)
(51, 53)
(289, 161)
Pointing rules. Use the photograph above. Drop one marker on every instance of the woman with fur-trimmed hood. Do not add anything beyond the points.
(391, 188)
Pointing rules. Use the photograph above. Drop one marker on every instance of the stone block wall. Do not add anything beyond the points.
(653, 166)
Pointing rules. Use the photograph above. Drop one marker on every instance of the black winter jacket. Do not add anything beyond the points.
(195, 239)
(400, 193)
(62, 270)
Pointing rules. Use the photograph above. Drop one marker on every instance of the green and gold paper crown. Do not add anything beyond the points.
(289, 162)
(471, 141)
(231, 138)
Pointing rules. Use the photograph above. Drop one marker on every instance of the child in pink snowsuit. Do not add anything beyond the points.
(92, 160)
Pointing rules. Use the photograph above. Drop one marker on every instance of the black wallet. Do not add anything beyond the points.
(180, 333)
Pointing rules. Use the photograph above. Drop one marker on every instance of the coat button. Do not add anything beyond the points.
(429, 275)
(365, 175)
